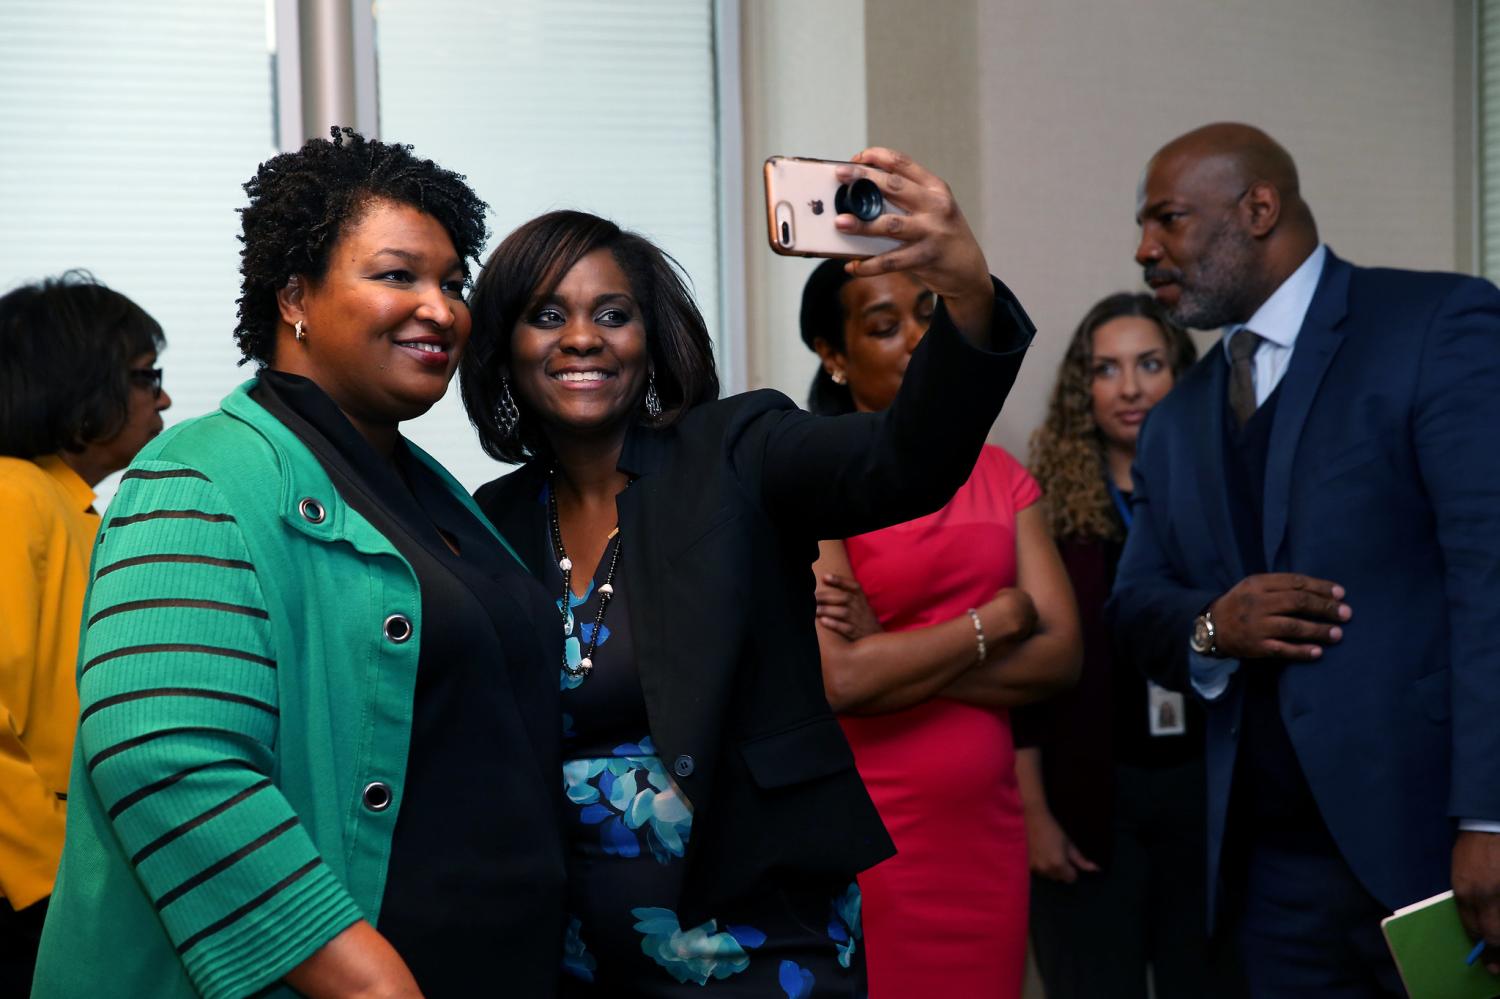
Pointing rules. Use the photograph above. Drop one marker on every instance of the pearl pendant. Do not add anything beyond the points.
(606, 590)
(585, 664)
(565, 564)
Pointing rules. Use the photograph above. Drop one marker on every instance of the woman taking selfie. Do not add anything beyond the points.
(80, 394)
(1111, 773)
(716, 818)
(930, 630)
(315, 686)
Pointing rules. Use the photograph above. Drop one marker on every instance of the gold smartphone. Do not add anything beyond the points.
(802, 198)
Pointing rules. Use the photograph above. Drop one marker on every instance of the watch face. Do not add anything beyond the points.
(1203, 637)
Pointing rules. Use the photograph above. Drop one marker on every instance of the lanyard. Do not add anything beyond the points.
(1120, 504)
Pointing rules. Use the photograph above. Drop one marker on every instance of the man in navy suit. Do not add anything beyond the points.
(1316, 551)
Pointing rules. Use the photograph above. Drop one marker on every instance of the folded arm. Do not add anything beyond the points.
(1031, 642)
(1051, 656)
(881, 671)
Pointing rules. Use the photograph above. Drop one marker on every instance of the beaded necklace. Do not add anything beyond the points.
(606, 591)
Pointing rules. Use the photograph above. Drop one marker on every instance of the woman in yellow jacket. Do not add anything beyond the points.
(79, 395)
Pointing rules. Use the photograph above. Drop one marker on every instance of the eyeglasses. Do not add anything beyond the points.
(147, 378)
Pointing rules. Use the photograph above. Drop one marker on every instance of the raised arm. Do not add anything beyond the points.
(1047, 661)
(841, 476)
(180, 712)
(938, 248)
(872, 672)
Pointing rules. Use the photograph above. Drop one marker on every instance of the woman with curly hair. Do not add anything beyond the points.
(80, 394)
(318, 743)
(1111, 773)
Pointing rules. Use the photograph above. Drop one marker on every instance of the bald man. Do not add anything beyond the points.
(1316, 552)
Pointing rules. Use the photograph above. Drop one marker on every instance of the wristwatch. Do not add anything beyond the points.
(1203, 640)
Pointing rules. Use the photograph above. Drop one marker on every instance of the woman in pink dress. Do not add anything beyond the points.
(930, 631)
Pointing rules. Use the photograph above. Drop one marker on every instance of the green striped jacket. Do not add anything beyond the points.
(244, 678)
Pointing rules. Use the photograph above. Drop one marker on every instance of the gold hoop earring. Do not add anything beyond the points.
(297, 331)
(838, 376)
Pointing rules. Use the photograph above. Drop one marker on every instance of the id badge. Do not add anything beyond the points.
(1166, 710)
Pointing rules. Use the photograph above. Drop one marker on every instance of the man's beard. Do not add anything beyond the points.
(1221, 282)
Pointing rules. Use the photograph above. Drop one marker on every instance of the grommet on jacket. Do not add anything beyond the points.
(312, 511)
(377, 796)
(683, 766)
(397, 628)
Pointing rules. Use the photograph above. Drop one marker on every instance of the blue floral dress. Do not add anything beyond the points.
(628, 831)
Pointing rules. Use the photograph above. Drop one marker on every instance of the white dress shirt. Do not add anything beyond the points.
(1277, 321)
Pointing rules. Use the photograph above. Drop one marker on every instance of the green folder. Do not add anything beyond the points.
(1430, 947)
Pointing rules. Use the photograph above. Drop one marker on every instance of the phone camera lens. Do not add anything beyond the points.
(786, 234)
(861, 199)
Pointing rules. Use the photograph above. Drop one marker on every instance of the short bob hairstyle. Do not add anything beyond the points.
(302, 202)
(527, 267)
(823, 316)
(66, 344)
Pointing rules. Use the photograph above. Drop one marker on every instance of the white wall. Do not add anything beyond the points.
(1041, 115)
(1074, 97)
(804, 92)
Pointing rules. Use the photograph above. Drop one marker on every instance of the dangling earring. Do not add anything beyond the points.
(507, 413)
(297, 331)
(653, 401)
(838, 376)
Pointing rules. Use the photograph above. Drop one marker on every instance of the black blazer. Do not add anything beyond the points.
(720, 527)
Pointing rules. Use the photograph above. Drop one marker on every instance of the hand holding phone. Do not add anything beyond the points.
(920, 230)
(805, 196)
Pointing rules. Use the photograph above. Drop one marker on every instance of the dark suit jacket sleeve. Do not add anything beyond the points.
(834, 477)
(1152, 607)
(1456, 417)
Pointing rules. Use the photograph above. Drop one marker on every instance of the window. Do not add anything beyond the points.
(129, 126)
(1487, 70)
(589, 104)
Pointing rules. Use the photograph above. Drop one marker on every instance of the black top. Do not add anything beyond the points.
(605, 709)
(720, 529)
(1085, 732)
(629, 828)
(475, 879)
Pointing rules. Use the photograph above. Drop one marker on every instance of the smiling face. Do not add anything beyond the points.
(385, 325)
(1129, 372)
(1199, 257)
(885, 318)
(578, 355)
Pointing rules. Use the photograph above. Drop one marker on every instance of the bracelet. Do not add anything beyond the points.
(978, 634)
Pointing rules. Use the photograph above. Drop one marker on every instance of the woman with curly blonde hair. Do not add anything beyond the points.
(1070, 448)
(1111, 773)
